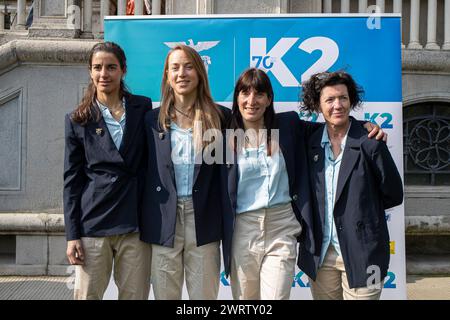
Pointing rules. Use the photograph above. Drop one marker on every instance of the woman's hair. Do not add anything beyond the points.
(312, 89)
(206, 111)
(87, 109)
(258, 80)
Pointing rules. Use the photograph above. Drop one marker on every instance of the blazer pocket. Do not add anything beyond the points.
(105, 184)
(371, 232)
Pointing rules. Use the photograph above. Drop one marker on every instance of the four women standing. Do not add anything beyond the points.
(257, 204)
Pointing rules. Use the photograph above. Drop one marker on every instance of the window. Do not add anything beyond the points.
(426, 137)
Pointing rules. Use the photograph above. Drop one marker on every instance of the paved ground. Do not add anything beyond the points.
(428, 288)
(58, 288)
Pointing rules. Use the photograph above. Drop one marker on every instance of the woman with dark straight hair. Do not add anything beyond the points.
(266, 191)
(103, 165)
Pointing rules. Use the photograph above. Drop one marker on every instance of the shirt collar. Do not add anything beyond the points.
(174, 126)
(326, 140)
(103, 107)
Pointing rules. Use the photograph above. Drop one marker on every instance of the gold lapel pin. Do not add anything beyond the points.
(161, 135)
(98, 131)
(316, 157)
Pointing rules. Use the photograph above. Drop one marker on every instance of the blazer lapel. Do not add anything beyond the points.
(164, 150)
(131, 124)
(287, 155)
(232, 173)
(317, 161)
(350, 157)
(197, 167)
(100, 133)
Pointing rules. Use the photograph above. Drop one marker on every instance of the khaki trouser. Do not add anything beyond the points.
(131, 267)
(263, 253)
(201, 264)
(332, 284)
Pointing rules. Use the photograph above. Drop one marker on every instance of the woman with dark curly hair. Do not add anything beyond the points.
(354, 179)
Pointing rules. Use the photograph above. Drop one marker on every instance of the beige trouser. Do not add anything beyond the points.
(201, 264)
(131, 267)
(263, 253)
(332, 284)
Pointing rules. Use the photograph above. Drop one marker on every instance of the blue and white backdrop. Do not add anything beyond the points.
(290, 48)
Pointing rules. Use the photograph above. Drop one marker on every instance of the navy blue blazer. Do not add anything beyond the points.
(101, 187)
(368, 184)
(159, 207)
(292, 135)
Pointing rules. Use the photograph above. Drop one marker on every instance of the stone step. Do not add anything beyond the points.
(421, 264)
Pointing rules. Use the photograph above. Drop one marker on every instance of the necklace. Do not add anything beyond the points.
(116, 110)
(183, 113)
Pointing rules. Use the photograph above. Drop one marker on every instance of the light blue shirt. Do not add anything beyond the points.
(263, 180)
(183, 157)
(115, 128)
(332, 167)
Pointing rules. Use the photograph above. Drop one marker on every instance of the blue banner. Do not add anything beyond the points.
(290, 49)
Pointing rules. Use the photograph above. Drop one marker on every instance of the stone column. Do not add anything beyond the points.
(87, 19)
(205, 7)
(121, 7)
(381, 5)
(283, 6)
(156, 7)
(362, 6)
(345, 6)
(138, 7)
(431, 27)
(21, 14)
(414, 26)
(398, 6)
(398, 9)
(104, 11)
(446, 45)
(327, 6)
(2, 21)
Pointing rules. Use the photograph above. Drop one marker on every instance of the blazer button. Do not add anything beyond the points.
(340, 228)
(158, 188)
(295, 197)
(113, 179)
(195, 190)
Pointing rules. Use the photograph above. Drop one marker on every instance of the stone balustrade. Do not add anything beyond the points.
(77, 20)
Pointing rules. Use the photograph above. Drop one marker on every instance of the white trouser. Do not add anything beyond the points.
(201, 264)
(131, 267)
(263, 253)
(332, 284)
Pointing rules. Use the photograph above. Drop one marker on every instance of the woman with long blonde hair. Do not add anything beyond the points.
(181, 217)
